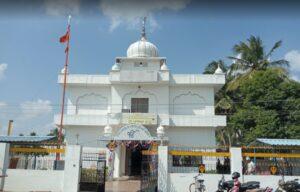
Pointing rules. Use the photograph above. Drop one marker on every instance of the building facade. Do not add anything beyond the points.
(140, 94)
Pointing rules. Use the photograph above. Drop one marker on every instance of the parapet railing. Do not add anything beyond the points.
(271, 160)
(199, 159)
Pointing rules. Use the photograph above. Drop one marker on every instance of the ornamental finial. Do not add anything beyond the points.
(144, 28)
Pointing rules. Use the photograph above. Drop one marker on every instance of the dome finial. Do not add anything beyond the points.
(144, 28)
(218, 71)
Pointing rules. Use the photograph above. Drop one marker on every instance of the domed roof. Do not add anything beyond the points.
(142, 48)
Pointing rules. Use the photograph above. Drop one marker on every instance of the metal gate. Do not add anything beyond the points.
(149, 171)
(92, 176)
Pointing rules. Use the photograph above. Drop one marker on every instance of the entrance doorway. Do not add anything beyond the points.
(133, 164)
(92, 172)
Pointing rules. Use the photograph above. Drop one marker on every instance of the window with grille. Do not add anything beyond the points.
(139, 105)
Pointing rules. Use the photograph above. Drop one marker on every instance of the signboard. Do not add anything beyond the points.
(139, 118)
(273, 169)
(201, 168)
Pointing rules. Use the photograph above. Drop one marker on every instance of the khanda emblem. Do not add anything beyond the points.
(131, 133)
(273, 170)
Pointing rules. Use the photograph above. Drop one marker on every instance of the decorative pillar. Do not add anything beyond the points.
(107, 130)
(163, 175)
(72, 168)
(236, 160)
(160, 131)
(110, 156)
(4, 163)
(117, 162)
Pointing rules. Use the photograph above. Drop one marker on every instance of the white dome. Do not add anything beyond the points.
(164, 67)
(142, 48)
(115, 67)
(218, 71)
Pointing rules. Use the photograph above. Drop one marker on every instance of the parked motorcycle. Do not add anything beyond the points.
(224, 185)
(234, 185)
(288, 186)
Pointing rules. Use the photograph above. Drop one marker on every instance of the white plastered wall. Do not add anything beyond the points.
(130, 65)
(158, 97)
(88, 100)
(88, 136)
(20, 180)
(191, 136)
(191, 100)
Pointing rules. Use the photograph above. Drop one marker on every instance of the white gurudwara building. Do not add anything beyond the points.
(141, 100)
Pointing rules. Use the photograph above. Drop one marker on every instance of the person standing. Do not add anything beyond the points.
(250, 166)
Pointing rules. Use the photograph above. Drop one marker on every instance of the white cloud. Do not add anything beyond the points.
(3, 67)
(294, 58)
(36, 115)
(32, 109)
(62, 7)
(129, 12)
(42, 128)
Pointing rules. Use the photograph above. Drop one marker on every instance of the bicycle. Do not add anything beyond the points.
(198, 184)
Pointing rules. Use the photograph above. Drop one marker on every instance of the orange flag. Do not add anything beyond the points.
(64, 38)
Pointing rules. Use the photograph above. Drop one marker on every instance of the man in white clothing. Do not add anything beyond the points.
(250, 166)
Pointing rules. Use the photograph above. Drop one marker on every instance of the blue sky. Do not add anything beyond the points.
(31, 56)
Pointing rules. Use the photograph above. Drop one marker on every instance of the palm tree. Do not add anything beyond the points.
(253, 57)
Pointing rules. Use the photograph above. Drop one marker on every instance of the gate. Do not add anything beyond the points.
(149, 171)
(92, 176)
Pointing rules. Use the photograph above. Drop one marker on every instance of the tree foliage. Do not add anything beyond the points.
(252, 58)
(259, 99)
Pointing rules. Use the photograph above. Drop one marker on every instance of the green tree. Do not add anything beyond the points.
(254, 122)
(55, 132)
(267, 105)
(253, 57)
(258, 97)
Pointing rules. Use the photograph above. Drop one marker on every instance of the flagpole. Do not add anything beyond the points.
(64, 89)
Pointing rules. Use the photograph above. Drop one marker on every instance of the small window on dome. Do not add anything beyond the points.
(140, 64)
(118, 60)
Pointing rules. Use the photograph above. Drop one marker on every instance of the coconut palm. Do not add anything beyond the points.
(252, 57)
